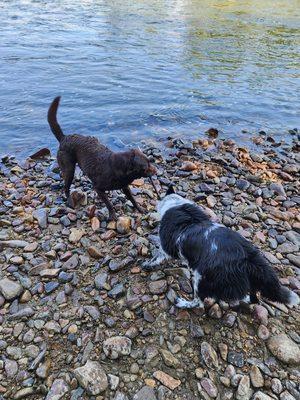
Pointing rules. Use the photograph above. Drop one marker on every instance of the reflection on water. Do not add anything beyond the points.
(145, 69)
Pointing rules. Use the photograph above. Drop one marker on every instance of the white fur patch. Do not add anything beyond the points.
(180, 302)
(211, 228)
(170, 201)
(293, 299)
(196, 279)
(213, 246)
(159, 258)
(246, 299)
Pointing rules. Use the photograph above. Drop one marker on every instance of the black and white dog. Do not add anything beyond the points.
(223, 264)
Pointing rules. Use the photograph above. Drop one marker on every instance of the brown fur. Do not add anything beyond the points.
(106, 169)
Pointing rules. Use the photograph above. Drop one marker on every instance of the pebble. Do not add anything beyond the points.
(209, 355)
(256, 377)
(145, 393)
(58, 390)
(92, 377)
(236, 359)
(10, 289)
(117, 346)
(209, 387)
(167, 380)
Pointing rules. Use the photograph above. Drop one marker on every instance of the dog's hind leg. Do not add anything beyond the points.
(67, 167)
(104, 198)
(130, 197)
(159, 258)
(180, 302)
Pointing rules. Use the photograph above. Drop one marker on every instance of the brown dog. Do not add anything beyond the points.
(107, 170)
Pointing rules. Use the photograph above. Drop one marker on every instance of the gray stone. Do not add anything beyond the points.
(117, 291)
(236, 359)
(41, 216)
(283, 348)
(209, 355)
(101, 280)
(145, 393)
(58, 389)
(117, 346)
(262, 396)
(10, 289)
(92, 377)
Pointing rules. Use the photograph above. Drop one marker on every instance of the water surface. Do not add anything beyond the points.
(129, 70)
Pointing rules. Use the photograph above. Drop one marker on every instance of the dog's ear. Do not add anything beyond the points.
(170, 190)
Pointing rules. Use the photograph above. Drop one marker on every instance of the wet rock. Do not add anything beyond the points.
(117, 346)
(92, 377)
(209, 355)
(236, 359)
(283, 348)
(145, 393)
(10, 289)
(58, 390)
(42, 153)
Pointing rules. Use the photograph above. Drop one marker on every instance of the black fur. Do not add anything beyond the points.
(234, 269)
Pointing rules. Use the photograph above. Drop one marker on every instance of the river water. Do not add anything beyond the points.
(147, 69)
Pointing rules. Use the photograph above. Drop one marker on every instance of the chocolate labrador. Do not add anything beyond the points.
(106, 169)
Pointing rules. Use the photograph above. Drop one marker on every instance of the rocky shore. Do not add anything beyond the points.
(79, 319)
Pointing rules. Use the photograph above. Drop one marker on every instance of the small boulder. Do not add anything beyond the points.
(92, 377)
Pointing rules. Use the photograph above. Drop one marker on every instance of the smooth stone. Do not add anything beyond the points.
(10, 289)
(283, 348)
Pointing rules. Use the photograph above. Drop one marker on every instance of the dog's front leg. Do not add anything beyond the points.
(130, 197)
(159, 258)
(104, 198)
(180, 302)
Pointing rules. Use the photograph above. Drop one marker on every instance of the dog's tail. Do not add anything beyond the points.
(52, 121)
(264, 279)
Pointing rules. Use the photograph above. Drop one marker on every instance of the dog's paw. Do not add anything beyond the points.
(180, 302)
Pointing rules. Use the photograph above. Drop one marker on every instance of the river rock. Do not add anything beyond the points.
(145, 393)
(41, 216)
(256, 377)
(10, 289)
(92, 377)
(58, 390)
(244, 390)
(123, 225)
(167, 380)
(117, 346)
(209, 355)
(283, 348)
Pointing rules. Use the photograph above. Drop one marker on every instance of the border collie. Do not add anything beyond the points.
(223, 264)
